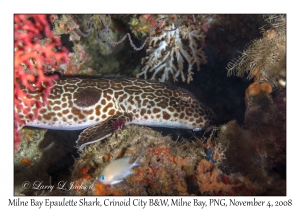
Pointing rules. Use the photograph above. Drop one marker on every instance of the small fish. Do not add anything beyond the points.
(117, 170)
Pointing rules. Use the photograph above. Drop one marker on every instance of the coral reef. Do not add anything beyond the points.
(163, 165)
(254, 154)
(84, 28)
(212, 181)
(167, 168)
(77, 61)
(44, 159)
(244, 155)
(264, 135)
(28, 156)
(261, 143)
(142, 25)
(97, 49)
(103, 35)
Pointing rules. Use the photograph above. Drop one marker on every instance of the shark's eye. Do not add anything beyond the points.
(102, 178)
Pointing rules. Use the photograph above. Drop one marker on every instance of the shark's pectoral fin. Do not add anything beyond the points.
(102, 130)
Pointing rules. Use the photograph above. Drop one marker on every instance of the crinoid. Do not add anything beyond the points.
(264, 59)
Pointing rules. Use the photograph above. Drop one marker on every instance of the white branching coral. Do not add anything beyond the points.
(168, 51)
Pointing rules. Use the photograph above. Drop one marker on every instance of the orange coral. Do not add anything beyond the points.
(86, 177)
(139, 174)
(106, 157)
(266, 87)
(255, 88)
(162, 150)
(100, 189)
(84, 172)
(185, 163)
(25, 161)
(182, 188)
(209, 178)
(118, 193)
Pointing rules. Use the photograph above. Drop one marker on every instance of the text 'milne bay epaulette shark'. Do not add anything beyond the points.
(95, 104)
